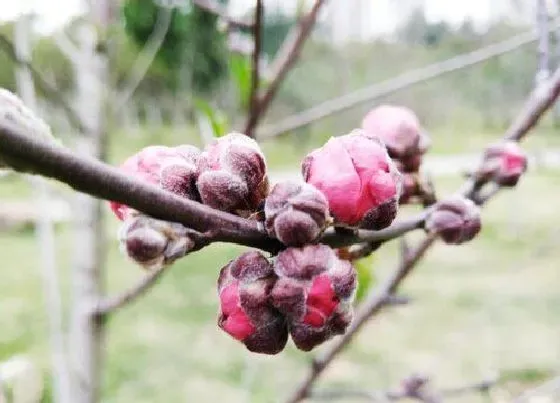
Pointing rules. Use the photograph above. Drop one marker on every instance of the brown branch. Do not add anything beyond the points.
(215, 8)
(395, 395)
(255, 72)
(111, 304)
(288, 54)
(90, 176)
(402, 81)
(539, 101)
(372, 305)
(45, 86)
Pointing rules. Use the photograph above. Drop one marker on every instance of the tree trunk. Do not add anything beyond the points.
(87, 330)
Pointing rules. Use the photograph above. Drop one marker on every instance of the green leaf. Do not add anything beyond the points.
(216, 118)
(240, 71)
(366, 277)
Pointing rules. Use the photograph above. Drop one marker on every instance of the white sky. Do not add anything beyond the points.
(53, 13)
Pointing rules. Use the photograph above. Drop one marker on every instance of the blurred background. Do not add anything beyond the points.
(181, 75)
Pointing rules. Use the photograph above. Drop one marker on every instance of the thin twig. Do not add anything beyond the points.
(146, 57)
(45, 86)
(288, 54)
(539, 101)
(392, 396)
(111, 304)
(399, 82)
(255, 68)
(372, 305)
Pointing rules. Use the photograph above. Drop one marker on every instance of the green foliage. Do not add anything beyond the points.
(366, 278)
(214, 116)
(193, 49)
(240, 74)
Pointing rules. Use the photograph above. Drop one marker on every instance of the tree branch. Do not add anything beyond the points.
(111, 304)
(44, 85)
(396, 395)
(287, 55)
(399, 82)
(255, 72)
(539, 101)
(146, 57)
(371, 306)
(93, 177)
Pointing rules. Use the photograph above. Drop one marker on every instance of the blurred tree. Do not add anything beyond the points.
(193, 51)
(418, 31)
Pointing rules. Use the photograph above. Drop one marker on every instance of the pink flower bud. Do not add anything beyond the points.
(233, 174)
(173, 169)
(153, 243)
(358, 178)
(295, 213)
(245, 313)
(457, 220)
(505, 162)
(399, 128)
(314, 290)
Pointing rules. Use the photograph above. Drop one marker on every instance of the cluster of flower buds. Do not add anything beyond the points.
(153, 243)
(456, 220)
(400, 130)
(307, 292)
(504, 163)
(229, 175)
(296, 214)
(356, 174)
(233, 174)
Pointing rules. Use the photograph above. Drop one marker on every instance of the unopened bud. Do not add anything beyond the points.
(233, 162)
(358, 178)
(296, 213)
(154, 243)
(245, 312)
(505, 162)
(456, 220)
(315, 290)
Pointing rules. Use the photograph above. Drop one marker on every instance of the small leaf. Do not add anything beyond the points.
(366, 277)
(216, 118)
(240, 70)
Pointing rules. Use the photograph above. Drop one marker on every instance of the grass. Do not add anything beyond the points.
(491, 305)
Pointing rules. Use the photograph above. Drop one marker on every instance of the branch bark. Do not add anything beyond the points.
(255, 72)
(398, 83)
(287, 55)
(86, 174)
